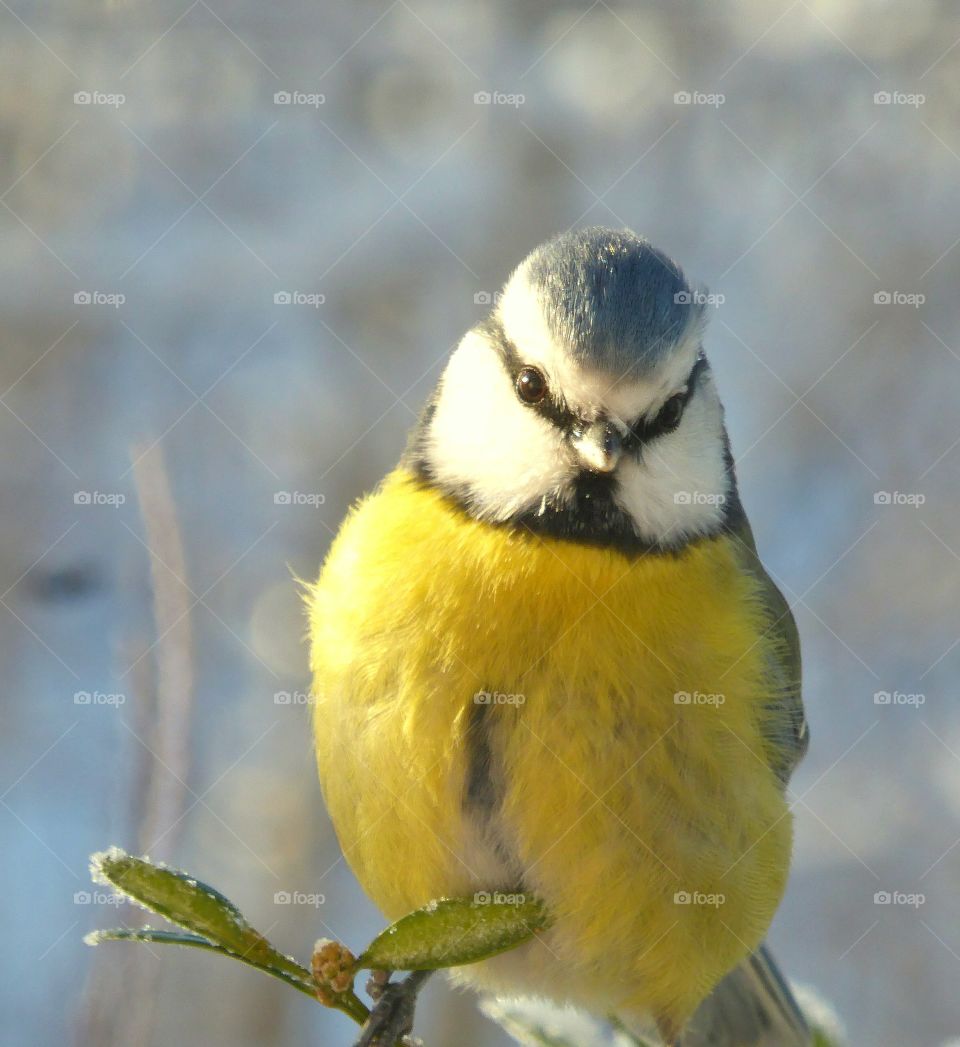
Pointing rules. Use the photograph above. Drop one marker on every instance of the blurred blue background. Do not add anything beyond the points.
(383, 166)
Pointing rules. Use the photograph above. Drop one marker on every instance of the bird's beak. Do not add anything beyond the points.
(598, 446)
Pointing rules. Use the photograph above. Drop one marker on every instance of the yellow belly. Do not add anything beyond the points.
(651, 826)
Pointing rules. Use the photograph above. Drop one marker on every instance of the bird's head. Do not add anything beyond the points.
(583, 406)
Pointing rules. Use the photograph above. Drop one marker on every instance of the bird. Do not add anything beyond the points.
(546, 659)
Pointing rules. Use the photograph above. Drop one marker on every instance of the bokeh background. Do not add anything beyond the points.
(384, 165)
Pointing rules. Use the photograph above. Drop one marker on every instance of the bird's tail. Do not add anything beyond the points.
(751, 1007)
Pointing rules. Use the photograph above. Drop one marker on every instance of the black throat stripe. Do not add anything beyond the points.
(590, 514)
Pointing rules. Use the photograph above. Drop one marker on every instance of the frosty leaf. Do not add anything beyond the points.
(122, 934)
(214, 923)
(190, 904)
(148, 934)
(455, 931)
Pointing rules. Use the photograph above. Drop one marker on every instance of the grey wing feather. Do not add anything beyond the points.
(789, 737)
(752, 1007)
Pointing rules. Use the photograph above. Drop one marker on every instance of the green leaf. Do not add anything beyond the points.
(190, 904)
(213, 922)
(147, 934)
(455, 931)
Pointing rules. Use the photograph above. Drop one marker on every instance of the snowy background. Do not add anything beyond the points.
(783, 183)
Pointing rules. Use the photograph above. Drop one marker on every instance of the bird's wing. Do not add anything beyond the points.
(752, 1007)
(788, 735)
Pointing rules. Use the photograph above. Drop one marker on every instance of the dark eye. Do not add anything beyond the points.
(670, 414)
(531, 385)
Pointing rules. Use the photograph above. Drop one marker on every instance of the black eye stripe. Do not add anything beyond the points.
(552, 406)
(644, 429)
(555, 409)
(664, 421)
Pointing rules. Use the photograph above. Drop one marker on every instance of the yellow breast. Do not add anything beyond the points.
(608, 712)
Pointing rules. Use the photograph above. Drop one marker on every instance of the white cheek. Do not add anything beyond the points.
(484, 439)
(679, 487)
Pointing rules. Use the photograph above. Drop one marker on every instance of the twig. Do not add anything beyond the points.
(169, 742)
(163, 709)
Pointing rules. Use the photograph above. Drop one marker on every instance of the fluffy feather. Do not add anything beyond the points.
(607, 798)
